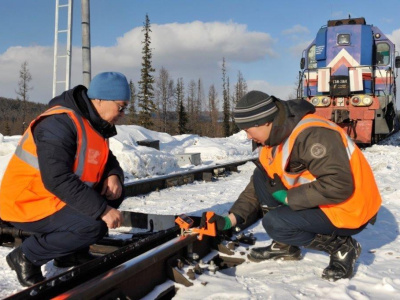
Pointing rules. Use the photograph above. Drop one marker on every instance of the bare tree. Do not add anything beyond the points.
(226, 106)
(240, 91)
(197, 108)
(240, 88)
(190, 99)
(164, 95)
(23, 88)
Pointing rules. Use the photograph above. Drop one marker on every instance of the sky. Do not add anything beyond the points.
(263, 40)
(377, 271)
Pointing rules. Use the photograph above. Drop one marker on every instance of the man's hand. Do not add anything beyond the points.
(112, 217)
(112, 188)
(223, 223)
(277, 189)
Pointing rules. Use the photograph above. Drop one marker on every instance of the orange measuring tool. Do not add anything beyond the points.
(186, 222)
(209, 229)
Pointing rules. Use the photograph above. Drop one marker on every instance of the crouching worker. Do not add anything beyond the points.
(318, 188)
(63, 183)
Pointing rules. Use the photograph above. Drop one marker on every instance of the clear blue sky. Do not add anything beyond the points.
(263, 39)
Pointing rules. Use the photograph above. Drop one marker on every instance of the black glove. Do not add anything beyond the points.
(223, 223)
(277, 189)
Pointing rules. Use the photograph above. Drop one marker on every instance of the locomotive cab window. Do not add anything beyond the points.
(382, 54)
(312, 62)
(343, 39)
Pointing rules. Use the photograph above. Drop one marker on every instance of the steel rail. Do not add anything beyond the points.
(144, 186)
(68, 280)
(134, 278)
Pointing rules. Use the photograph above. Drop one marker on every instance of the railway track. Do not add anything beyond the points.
(205, 173)
(135, 269)
(131, 268)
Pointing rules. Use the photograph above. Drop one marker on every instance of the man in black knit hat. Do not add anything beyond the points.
(313, 181)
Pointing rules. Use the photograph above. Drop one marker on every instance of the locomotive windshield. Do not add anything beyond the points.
(312, 62)
(382, 54)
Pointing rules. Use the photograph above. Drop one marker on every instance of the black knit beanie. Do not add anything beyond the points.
(254, 109)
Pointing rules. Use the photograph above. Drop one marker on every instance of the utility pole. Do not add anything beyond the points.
(86, 57)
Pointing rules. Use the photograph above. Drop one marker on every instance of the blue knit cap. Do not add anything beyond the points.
(109, 86)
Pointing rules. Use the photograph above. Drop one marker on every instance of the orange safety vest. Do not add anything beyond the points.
(23, 197)
(365, 201)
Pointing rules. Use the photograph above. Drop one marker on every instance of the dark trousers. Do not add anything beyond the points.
(62, 233)
(294, 227)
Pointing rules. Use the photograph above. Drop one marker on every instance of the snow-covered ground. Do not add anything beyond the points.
(377, 270)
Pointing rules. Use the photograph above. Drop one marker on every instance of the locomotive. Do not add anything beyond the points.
(349, 74)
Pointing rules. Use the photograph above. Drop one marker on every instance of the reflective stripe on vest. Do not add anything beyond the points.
(286, 148)
(33, 160)
(25, 155)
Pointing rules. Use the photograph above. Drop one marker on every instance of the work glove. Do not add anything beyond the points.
(222, 223)
(277, 189)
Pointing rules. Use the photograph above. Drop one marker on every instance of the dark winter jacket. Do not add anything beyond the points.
(55, 137)
(334, 181)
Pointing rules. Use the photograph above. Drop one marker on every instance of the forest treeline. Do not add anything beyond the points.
(158, 101)
(15, 115)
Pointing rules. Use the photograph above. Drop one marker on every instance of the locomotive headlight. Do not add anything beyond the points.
(367, 101)
(326, 101)
(320, 101)
(315, 101)
(343, 39)
(355, 100)
(361, 100)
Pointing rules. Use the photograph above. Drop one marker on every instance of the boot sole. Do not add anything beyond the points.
(295, 256)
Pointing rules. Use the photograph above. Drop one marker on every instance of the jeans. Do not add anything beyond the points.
(62, 233)
(294, 227)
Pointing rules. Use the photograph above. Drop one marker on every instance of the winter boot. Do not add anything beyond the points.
(28, 274)
(343, 251)
(275, 251)
(74, 259)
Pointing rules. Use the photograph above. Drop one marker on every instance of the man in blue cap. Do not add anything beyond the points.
(63, 183)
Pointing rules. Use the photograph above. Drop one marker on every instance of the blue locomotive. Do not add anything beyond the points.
(349, 74)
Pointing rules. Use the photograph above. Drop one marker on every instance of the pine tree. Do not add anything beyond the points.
(146, 90)
(198, 108)
(213, 108)
(226, 106)
(132, 105)
(23, 88)
(191, 96)
(182, 115)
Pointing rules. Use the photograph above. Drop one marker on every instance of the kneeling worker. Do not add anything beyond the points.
(318, 187)
(63, 183)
